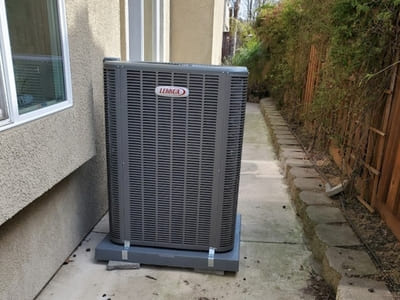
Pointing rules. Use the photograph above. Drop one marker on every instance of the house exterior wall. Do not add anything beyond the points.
(35, 242)
(148, 30)
(196, 31)
(53, 179)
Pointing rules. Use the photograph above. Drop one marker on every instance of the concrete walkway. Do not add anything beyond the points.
(275, 262)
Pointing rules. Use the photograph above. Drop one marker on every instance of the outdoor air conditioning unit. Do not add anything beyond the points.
(174, 139)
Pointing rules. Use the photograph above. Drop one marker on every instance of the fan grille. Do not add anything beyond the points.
(171, 144)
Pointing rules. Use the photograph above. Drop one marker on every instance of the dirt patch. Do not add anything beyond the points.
(381, 244)
(253, 98)
(318, 288)
(378, 240)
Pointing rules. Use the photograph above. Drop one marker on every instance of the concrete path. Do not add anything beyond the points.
(275, 262)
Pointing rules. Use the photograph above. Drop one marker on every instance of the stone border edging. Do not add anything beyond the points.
(332, 241)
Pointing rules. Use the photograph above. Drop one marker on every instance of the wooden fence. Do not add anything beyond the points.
(313, 69)
(372, 147)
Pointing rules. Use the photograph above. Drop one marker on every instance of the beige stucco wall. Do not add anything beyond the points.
(35, 242)
(53, 169)
(37, 155)
(196, 31)
(148, 30)
(53, 183)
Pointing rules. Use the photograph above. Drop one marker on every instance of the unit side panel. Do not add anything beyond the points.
(135, 153)
(110, 96)
(237, 106)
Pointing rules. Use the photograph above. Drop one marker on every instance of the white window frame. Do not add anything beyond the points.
(134, 30)
(14, 118)
(156, 30)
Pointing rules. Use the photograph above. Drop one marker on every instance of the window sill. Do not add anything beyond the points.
(34, 115)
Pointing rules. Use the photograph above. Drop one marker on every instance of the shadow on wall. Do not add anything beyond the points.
(37, 240)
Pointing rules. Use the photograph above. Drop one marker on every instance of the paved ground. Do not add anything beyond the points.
(274, 263)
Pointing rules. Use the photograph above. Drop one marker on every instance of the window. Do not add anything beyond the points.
(34, 62)
(147, 30)
(3, 107)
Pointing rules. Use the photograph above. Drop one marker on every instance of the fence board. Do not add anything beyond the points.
(386, 198)
(392, 198)
(373, 144)
(391, 220)
(390, 153)
(312, 73)
(394, 84)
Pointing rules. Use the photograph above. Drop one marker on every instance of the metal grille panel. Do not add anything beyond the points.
(112, 150)
(171, 144)
(238, 92)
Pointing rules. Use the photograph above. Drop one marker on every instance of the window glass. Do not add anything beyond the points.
(35, 40)
(3, 100)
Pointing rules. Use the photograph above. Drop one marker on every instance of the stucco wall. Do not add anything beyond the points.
(37, 155)
(148, 30)
(55, 166)
(196, 31)
(35, 242)
(191, 35)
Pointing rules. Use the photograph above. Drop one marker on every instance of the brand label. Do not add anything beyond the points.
(172, 91)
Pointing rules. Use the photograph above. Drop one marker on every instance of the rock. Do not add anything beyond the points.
(341, 262)
(293, 154)
(307, 198)
(283, 132)
(305, 184)
(295, 162)
(298, 172)
(324, 215)
(287, 141)
(315, 198)
(304, 172)
(121, 265)
(284, 136)
(332, 235)
(315, 215)
(362, 288)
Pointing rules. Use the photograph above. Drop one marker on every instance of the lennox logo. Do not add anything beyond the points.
(172, 91)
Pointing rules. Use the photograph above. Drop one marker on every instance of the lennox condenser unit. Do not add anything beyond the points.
(174, 139)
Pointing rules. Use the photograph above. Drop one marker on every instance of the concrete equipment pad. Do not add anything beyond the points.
(274, 261)
(198, 260)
